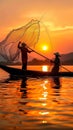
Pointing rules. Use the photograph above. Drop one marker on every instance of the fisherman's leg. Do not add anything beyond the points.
(24, 67)
(55, 70)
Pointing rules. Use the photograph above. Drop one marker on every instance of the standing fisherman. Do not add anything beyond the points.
(24, 54)
(56, 62)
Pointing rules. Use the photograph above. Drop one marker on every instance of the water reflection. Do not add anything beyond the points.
(57, 83)
(37, 103)
(23, 88)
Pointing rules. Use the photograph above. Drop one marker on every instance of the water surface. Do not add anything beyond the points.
(36, 103)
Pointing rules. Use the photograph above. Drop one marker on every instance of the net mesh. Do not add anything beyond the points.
(28, 34)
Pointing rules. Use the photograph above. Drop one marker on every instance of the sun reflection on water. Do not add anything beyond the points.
(45, 68)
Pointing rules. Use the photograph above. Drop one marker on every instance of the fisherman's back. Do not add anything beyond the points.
(56, 62)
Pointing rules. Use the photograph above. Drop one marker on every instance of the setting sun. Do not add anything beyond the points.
(44, 47)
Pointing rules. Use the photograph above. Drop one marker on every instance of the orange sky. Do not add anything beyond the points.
(57, 16)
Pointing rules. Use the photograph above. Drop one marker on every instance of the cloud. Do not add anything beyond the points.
(65, 28)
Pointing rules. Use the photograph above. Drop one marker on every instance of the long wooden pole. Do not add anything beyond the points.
(65, 68)
(48, 59)
(41, 55)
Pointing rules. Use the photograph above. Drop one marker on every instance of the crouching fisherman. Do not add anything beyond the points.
(56, 63)
(24, 54)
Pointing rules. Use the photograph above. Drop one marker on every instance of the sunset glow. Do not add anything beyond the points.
(44, 47)
(56, 22)
(36, 64)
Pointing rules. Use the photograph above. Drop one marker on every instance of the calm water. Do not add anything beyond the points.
(36, 103)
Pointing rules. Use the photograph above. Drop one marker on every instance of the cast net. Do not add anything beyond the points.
(28, 34)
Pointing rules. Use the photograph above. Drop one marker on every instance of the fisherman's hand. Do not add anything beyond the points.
(51, 61)
(31, 51)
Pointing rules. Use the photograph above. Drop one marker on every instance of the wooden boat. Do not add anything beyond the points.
(31, 73)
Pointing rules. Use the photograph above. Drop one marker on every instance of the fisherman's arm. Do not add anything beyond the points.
(51, 61)
(29, 51)
(19, 45)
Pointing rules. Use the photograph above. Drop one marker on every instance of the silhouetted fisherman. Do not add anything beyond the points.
(24, 54)
(56, 62)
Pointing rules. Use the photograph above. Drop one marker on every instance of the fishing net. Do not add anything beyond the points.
(28, 34)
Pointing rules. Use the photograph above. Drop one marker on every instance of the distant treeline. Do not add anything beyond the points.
(38, 62)
(66, 59)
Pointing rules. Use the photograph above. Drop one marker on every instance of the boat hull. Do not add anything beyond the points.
(30, 73)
